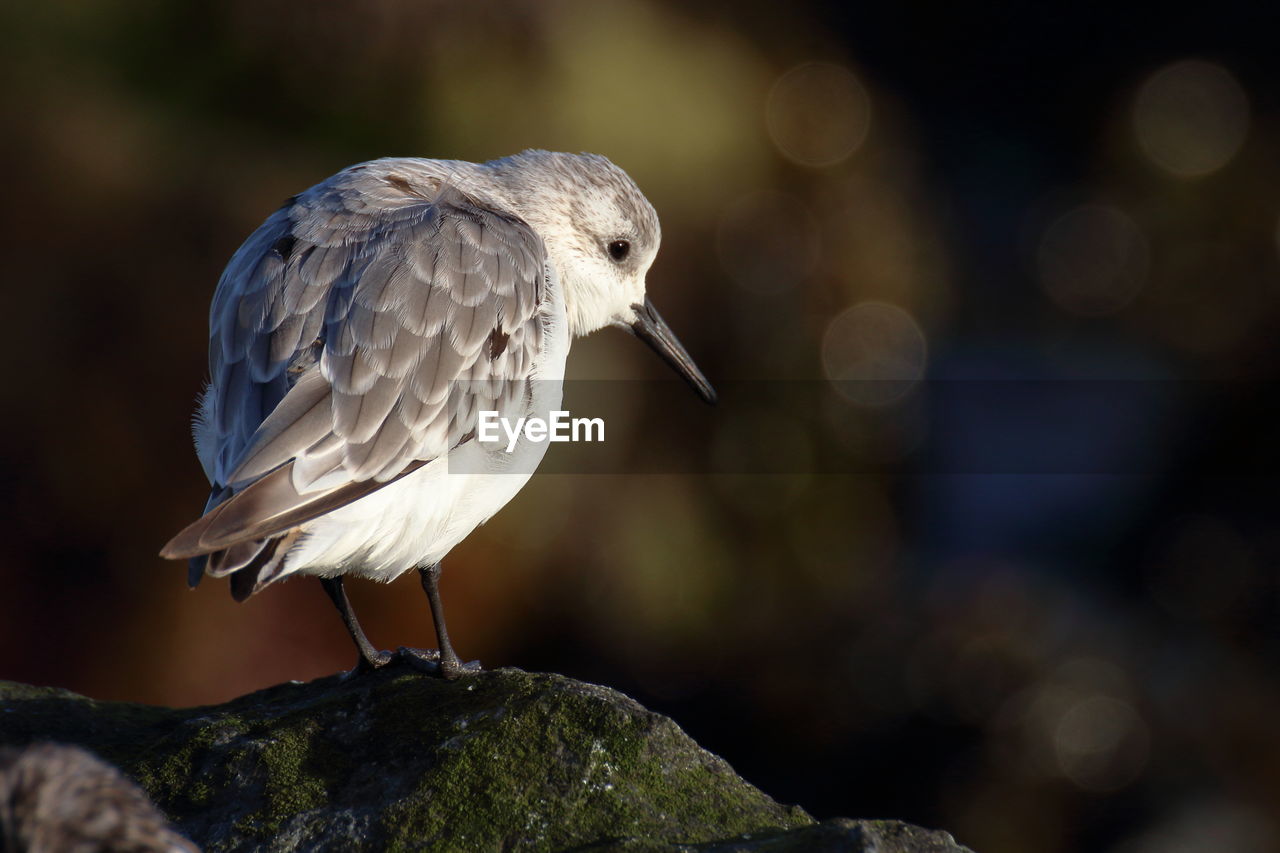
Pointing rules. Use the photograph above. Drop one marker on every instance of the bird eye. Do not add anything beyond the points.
(619, 249)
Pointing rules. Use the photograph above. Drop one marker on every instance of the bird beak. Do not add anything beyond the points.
(653, 330)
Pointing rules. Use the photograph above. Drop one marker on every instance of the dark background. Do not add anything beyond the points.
(1083, 659)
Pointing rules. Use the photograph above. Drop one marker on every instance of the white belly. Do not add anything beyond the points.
(416, 520)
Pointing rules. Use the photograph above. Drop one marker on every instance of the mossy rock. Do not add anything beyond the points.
(397, 760)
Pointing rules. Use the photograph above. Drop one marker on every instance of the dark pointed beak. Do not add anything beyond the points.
(653, 330)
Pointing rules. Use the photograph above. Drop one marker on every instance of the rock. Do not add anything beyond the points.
(399, 760)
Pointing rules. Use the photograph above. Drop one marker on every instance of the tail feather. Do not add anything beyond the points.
(195, 570)
(253, 562)
(267, 507)
(235, 557)
(266, 565)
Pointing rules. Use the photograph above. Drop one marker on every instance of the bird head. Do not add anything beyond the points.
(602, 235)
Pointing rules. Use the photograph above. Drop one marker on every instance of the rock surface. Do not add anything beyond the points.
(396, 760)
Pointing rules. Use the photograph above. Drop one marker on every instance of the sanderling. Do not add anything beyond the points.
(356, 334)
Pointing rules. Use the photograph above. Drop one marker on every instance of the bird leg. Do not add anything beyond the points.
(370, 658)
(450, 665)
(444, 662)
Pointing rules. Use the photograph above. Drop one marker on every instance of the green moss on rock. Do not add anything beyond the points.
(397, 760)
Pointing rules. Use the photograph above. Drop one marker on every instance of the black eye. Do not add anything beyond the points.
(619, 249)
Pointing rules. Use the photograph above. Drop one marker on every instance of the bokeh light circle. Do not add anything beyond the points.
(874, 353)
(1191, 117)
(1092, 260)
(818, 114)
(1101, 743)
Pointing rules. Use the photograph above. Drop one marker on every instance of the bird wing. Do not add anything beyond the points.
(353, 338)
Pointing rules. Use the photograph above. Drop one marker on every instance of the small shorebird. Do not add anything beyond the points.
(357, 333)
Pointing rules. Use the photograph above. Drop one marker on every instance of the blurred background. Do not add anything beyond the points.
(898, 621)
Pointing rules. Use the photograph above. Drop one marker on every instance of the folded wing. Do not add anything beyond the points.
(353, 338)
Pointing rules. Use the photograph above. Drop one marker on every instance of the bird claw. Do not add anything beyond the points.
(423, 660)
(364, 665)
(431, 662)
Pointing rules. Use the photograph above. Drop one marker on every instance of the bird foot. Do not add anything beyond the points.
(424, 660)
(364, 665)
(432, 662)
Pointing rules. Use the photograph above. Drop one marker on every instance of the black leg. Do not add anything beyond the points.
(450, 664)
(370, 658)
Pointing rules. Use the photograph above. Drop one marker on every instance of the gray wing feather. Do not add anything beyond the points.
(337, 332)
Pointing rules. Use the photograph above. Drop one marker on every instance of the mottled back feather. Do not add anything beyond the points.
(353, 337)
